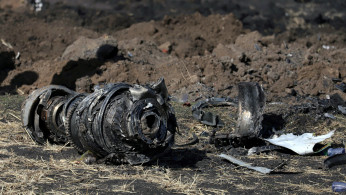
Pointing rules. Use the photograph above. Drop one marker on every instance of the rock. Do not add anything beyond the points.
(221, 50)
(102, 48)
(248, 41)
(194, 78)
(231, 51)
(273, 75)
(166, 47)
(290, 91)
(330, 72)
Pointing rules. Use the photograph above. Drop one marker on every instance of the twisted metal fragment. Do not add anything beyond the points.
(120, 122)
(251, 107)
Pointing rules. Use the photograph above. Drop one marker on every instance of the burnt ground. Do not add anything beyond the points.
(294, 49)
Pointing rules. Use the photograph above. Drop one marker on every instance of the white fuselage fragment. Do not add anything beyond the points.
(300, 144)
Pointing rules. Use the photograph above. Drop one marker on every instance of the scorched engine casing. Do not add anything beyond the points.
(121, 122)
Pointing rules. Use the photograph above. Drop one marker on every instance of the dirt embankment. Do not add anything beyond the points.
(294, 49)
(190, 51)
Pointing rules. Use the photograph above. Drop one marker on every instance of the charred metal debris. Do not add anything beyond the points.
(209, 118)
(121, 123)
(251, 128)
(251, 103)
(250, 133)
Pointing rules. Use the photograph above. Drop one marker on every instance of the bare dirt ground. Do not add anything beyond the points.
(295, 49)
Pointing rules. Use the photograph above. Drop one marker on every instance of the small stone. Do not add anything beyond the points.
(166, 47)
(105, 47)
(273, 75)
(290, 91)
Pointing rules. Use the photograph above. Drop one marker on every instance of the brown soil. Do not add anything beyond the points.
(213, 50)
(294, 49)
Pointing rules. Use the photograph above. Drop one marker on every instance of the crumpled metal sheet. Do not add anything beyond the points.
(120, 122)
(300, 144)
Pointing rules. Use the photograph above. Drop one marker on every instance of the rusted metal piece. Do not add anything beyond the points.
(119, 122)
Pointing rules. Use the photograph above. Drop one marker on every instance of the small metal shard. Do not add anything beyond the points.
(263, 170)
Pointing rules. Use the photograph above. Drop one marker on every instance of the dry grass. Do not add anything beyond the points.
(27, 168)
(306, 188)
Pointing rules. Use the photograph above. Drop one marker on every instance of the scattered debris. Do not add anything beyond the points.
(341, 87)
(8, 45)
(338, 159)
(302, 144)
(37, 5)
(120, 123)
(251, 102)
(258, 150)
(18, 56)
(328, 115)
(342, 109)
(339, 186)
(263, 170)
(204, 134)
(257, 47)
(335, 151)
(332, 103)
(322, 150)
(327, 47)
(209, 118)
(336, 80)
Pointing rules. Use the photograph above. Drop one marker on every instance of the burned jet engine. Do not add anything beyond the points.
(122, 122)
